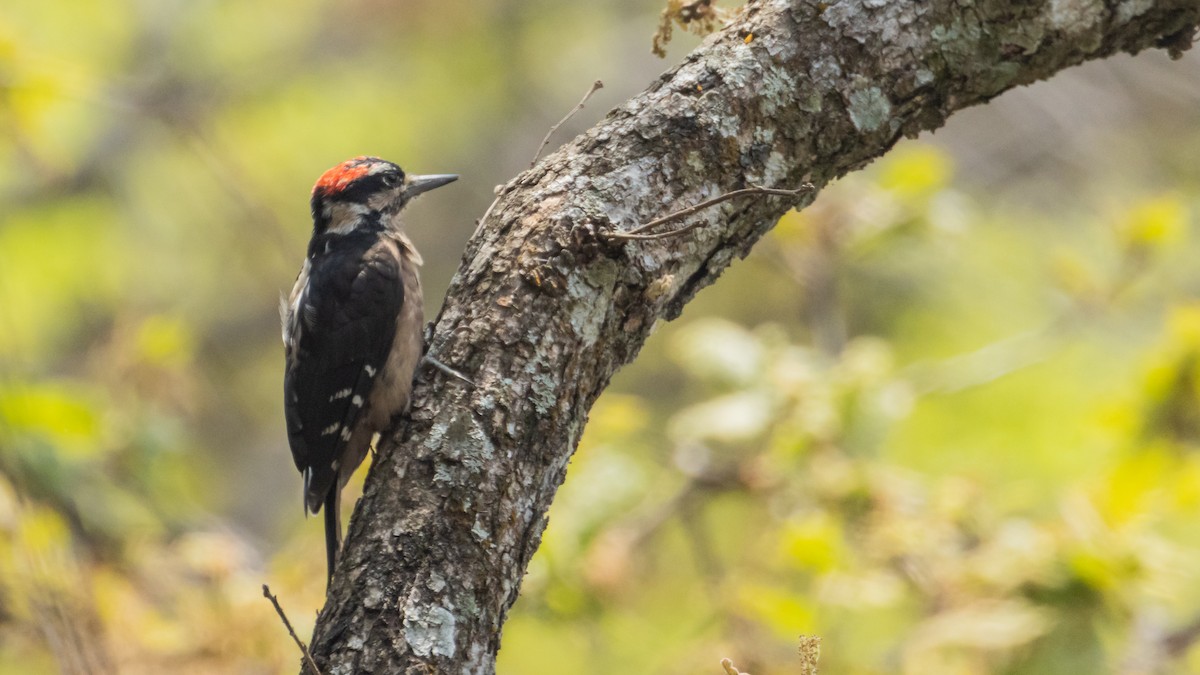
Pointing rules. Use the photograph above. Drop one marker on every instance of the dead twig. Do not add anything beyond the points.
(699, 18)
(730, 669)
(597, 85)
(637, 232)
(499, 190)
(288, 624)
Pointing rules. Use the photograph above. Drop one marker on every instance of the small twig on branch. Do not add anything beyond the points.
(288, 624)
(597, 85)
(498, 190)
(636, 233)
(545, 141)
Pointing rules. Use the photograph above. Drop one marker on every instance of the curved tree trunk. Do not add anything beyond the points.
(544, 308)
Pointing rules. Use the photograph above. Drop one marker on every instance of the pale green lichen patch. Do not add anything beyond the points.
(724, 124)
(602, 274)
(437, 432)
(443, 476)
(824, 71)
(436, 582)
(1129, 9)
(541, 388)
(429, 631)
(479, 531)
(1026, 35)
(957, 42)
(738, 67)
(811, 101)
(869, 109)
(475, 444)
(775, 168)
(1075, 16)
(960, 45)
(461, 439)
(542, 385)
(373, 597)
(778, 90)
(845, 15)
(589, 292)
(1002, 74)
(487, 403)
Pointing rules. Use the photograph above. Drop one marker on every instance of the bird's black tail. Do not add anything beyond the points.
(333, 528)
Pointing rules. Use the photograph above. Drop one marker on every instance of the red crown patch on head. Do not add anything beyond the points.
(337, 178)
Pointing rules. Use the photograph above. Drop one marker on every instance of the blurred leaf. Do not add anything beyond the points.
(1136, 483)
(814, 543)
(732, 418)
(989, 625)
(718, 350)
(1072, 274)
(1155, 222)
(65, 251)
(57, 413)
(618, 416)
(164, 341)
(784, 613)
(915, 170)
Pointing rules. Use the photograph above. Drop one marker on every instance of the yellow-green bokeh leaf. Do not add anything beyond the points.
(814, 542)
(164, 341)
(916, 170)
(55, 412)
(1155, 222)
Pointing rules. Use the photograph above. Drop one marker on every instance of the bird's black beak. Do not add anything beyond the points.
(415, 185)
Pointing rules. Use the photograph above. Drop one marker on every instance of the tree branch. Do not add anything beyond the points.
(543, 310)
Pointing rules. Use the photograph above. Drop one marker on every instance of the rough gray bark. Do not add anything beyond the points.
(544, 309)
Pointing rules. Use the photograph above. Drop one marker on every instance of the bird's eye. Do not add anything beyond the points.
(391, 181)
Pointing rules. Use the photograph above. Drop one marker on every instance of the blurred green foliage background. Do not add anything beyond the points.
(947, 419)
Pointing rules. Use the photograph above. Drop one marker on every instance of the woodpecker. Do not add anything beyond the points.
(352, 328)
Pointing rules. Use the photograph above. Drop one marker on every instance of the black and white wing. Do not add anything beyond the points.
(338, 331)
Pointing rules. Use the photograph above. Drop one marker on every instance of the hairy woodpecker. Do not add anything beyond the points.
(352, 328)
